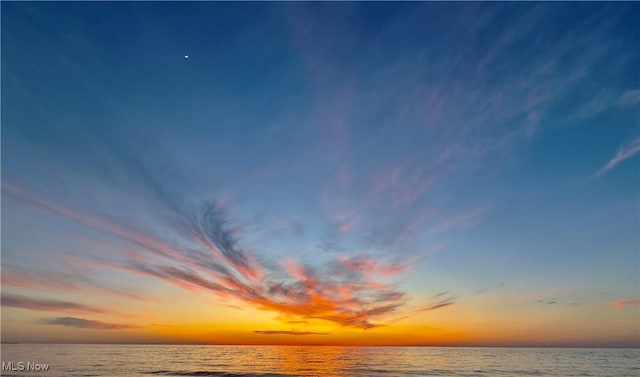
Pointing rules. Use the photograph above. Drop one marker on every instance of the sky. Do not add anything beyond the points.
(321, 173)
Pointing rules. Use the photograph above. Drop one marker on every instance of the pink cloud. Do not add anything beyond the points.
(625, 151)
(335, 201)
(460, 220)
(401, 186)
(47, 280)
(346, 221)
(624, 303)
(240, 262)
(122, 232)
(347, 291)
(369, 267)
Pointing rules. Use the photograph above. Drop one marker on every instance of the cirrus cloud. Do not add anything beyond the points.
(625, 152)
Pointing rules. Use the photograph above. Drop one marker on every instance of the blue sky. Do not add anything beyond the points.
(444, 151)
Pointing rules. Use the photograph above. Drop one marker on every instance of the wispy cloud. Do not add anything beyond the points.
(206, 229)
(289, 332)
(625, 152)
(438, 301)
(346, 221)
(47, 305)
(121, 231)
(440, 304)
(50, 280)
(82, 323)
(630, 97)
(624, 303)
(368, 266)
(400, 186)
(459, 220)
(348, 291)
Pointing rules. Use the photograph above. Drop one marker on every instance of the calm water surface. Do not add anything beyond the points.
(232, 361)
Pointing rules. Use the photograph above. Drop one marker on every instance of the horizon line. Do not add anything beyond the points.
(329, 345)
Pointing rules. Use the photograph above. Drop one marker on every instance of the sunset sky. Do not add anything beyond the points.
(321, 173)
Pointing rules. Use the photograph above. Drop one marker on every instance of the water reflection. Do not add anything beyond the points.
(148, 360)
(318, 361)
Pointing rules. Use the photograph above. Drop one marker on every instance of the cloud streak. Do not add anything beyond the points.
(82, 323)
(625, 152)
(620, 304)
(47, 305)
(442, 301)
(289, 332)
(49, 280)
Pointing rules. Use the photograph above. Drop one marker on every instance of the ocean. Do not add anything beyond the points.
(79, 360)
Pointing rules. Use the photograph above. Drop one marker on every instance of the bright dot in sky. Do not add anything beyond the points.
(186, 56)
